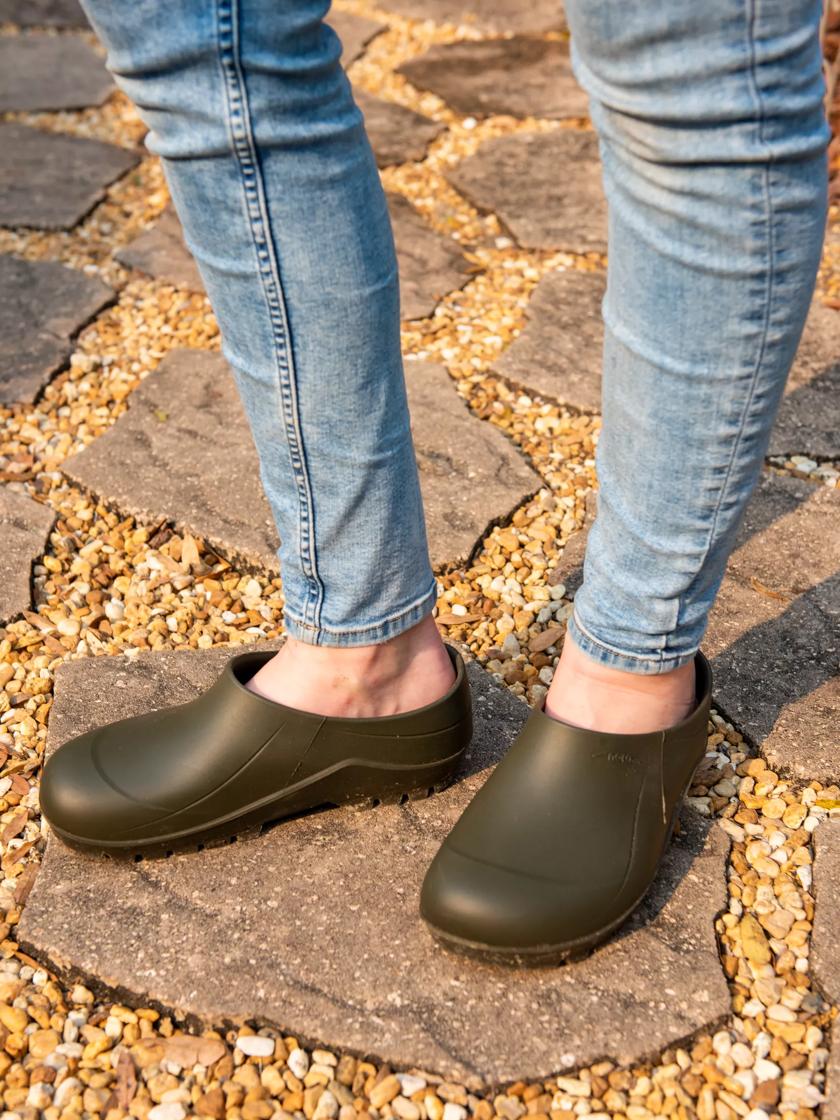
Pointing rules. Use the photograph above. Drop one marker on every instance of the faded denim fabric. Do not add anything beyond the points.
(713, 141)
(278, 192)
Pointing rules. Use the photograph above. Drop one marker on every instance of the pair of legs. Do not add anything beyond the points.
(713, 142)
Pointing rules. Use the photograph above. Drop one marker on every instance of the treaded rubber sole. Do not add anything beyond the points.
(385, 786)
(544, 956)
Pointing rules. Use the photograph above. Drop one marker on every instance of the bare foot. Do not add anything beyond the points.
(399, 675)
(588, 694)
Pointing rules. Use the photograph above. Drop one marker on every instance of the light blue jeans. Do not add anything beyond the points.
(713, 140)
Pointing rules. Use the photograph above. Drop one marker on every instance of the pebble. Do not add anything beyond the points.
(256, 1045)
(298, 1063)
(452, 1111)
(411, 1083)
(173, 1110)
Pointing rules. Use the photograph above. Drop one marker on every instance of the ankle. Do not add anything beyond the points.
(404, 673)
(588, 694)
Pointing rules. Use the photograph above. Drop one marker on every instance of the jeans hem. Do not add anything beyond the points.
(644, 663)
(375, 634)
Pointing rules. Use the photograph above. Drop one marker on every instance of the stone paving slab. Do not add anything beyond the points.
(470, 474)
(51, 181)
(520, 77)
(774, 633)
(397, 134)
(809, 418)
(430, 264)
(545, 187)
(313, 925)
(44, 305)
(558, 353)
(43, 13)
(25, 527)
(160, 251)
(355, 32)
(48, 72)
(825, 945)
(495, 16)
(183, 451)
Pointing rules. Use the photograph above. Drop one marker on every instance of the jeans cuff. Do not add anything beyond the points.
(371, 635)
(606, 654)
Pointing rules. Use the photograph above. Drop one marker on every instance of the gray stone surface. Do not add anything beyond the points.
(470, 474)
(825, 941)
(545, 187)
(24, 530)
(498, 16)
(396, 134)
(50, 181)
(313, 925)
(520, 77)
(355, 32)
(47, 72)
(774, 633)
(558, 353)
(183, 451)
(430, 264)
(160, 251)
(43, 13)
(825, 946)
(44, 304)
(809, 419)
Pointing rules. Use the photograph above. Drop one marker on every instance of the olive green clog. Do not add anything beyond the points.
(564, 839)
(231, 759)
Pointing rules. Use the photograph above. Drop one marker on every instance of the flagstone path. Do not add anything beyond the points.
(138, 549)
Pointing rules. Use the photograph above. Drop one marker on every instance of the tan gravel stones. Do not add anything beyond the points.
(544, 186)
(486, 15)
(44, 305)
(183, 451)
(396, 134)
(558, 354)
(43, 13)
(809, 419)
(24, 529)
(520, 76)
(49, 180)
(160, 251)
(314, 924)
(773, 633)
(41, 71)
(430, 264)
(355, 32)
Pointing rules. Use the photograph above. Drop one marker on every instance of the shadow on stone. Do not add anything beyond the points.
(809, 418)
(544, 186)
(520, 77)
(43, 13)
(51, 181)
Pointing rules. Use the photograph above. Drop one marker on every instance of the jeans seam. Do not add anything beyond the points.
(769, 288)
(253, 187)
